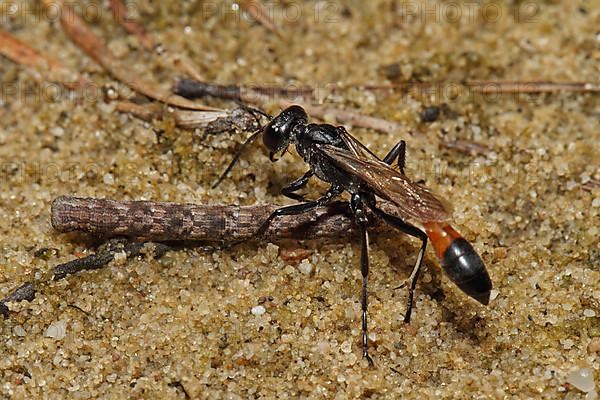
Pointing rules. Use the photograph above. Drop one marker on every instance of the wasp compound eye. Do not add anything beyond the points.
(273, 139)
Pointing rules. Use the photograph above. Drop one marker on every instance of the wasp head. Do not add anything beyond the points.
(278, 134)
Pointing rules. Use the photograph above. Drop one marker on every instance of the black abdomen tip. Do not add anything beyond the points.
(465, 268)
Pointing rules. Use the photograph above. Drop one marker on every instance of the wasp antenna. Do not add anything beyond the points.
(253, 110)
(236, 157)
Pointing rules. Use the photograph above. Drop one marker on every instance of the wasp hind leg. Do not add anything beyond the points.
(411, 230)
(357, 207)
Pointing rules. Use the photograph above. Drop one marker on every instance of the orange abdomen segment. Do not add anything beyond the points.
(441, 236)
(460, 260)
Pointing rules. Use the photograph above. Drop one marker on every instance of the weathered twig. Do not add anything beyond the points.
(105, 255)
(531, 87)
(41, 65)
(120, 13)
(308, 93)
(23, 292)
(211, 223)
(257, 12)
(199, 88)
(94, 46)
(484, 86)
(176, 222)
(212, 122)
(466, 146)
(176, 60)
(194, 89)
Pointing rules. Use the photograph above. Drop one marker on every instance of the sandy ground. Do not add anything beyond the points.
(182, 326)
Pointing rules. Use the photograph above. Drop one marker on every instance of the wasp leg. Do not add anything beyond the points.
(253, 111)
(399, 151)
(356, 205)
(236, 158)
(411, 230)
(300, 208)
(298, 184)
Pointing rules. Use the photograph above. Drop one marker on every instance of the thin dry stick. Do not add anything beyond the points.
(194, 89)
(466, 146)
(487, 86)
(156, 221)
(23, 292)
(105, 255)
(183, 118)
(123, 16)
(182, 63)
(480, 86)
(256, 11)
(145, 112)
(213, 122)
(40, 64)
(94, 46)
(531, 87)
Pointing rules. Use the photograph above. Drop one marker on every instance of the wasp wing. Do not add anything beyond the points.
(356, 147)
(411, 199)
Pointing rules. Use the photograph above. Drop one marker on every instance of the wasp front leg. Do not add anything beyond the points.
(288, 191)
(398, 151)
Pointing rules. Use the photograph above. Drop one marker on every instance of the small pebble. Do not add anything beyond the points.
(258, 310)
(567, 344)
(108, 179)
(111, 94)
(323, 347)
(589, 313)
(305, 267)
(57, 131)
(346, 347)
(57, 330)
(19, 331)
(594, 346)
(430, 114)
(582, 379)
(494, 294)
(120, 257)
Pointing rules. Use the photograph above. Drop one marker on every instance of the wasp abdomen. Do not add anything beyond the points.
(465, 268)
(460, 261)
